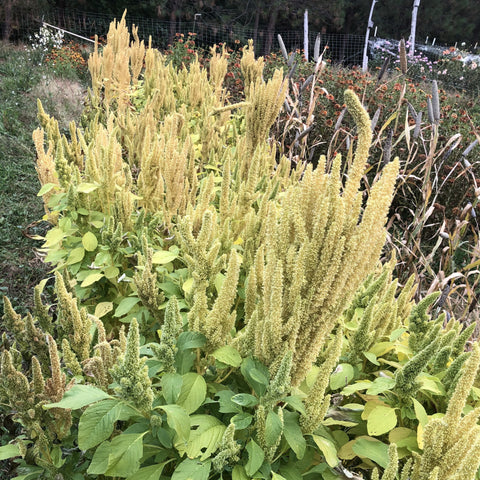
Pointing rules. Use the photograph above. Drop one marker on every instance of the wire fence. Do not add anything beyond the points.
(343, 48)
(346, 49)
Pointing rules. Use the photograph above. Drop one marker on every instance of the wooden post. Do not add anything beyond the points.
(305, 34)
(416, 4)
(367, 35)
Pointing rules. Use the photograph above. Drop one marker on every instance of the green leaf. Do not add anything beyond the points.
(162, 257)
(171, 387)
(76, 255)
(355, 387)
(256, 374)
(296, 403)
(79, 396)
(120, 457)
(89, 241)
(9, 451)
(54, 236)
(218, 282)
(293, 433)
(205, 438)
(380, 385)
(103, 308)
(152, 472)
(193, 392)
(46, 188)
(273, 428)
(87, 187)
(381, 420)
(238, 473)
(111, 272)
(97, 421)
(179, 421)
(189, 340)
(342, 376)
(255, 457)
(225, 401)
(277, 476)
(192, 470)
(241, 420)
(420, 412)
(397, 334)
(245, 399)
(373, 449)
(371, 357)
(228, 355)
(92, 278)
(327, 447)
(125, 306)
(187, 285)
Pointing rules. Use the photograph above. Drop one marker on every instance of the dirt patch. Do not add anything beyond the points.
(61, 98)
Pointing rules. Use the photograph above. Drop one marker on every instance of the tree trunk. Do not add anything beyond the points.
(7, 19)
(255, 30)
(272, 22)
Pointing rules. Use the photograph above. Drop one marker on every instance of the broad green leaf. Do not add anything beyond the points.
(153, 472)
(205, 438)
(9, 451)
(187, 285)
(238, 473)
(327, 447)
(125, 306)
(420, 412)
(192, 470)
(256, 374)
(34, 473)
(76, 255)
(277, 476)
(355, 387)
(371, 357)
(97, 421)
(241, 420)
(92, 278)
(371, 448)
(87, 187)
(293, 433)
(46, 188)
(225, 401)
(273, 428)
(120, 457)
(403, 437)
(79, 396)
(89, 241)
(188, 340)
(397, 334)
(103, 308)
(162, 257)
(245, 399)
(219, 280)
(179, 421)
(255, 457)
(431, 384)
(228, 355)
(111, 272)
(171, 387)
(54, 236)
(381, 420)
(296, 403)
(380, 385)
(342, 376)
(381, 348)
(193, 392)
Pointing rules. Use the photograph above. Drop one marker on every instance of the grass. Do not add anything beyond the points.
(22, 80)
